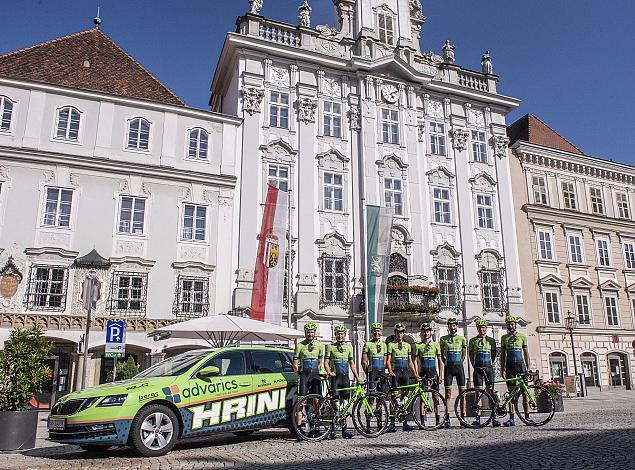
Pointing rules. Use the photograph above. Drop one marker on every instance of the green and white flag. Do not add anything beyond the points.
(379, 234)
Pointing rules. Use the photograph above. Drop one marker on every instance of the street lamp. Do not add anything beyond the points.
(571, 322)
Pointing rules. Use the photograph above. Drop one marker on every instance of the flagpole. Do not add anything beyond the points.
(289, 261)
(365, 266)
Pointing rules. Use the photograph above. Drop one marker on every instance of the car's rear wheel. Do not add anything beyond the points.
(154, 431)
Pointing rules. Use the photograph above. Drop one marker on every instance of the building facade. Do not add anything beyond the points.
(577, 231)
(359, 114)
(103, 170)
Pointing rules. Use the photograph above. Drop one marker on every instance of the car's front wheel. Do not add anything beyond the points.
(154, 431)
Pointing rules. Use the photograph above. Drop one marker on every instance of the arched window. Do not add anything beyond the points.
(138, 134)
(198, 141)
(67, 124)
(6, 110)
(398, 269)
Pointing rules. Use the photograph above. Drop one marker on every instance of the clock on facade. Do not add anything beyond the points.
(390, 93)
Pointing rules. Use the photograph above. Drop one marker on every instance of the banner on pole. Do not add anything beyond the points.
(269, 271)
(379, 234)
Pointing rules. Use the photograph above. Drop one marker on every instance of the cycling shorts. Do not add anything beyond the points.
(340, 381)
(479, 376)
(309, 382)
(433, 376)
(377, 381)
(450, 371)
(513, 369)
(401, 378)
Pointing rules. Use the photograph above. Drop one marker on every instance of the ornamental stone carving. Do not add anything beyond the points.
(331, 87)
(304, 15)
(500, 143)
(255, 6)
(421, 130)
(435, 109)
(252, 97)
(354, 117)
(306, 110)
(459, 139)
(448, 52)
(279, 76)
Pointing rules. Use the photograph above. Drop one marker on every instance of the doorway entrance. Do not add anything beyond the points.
(558, 366)
(619, 374)
(590, 369)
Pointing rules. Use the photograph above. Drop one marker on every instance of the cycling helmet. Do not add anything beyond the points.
(376, 326)
(310, 326)
(399, 327)
(511, 319)
(426, 326)
(452, 321)
(340, 328)
(481, 322)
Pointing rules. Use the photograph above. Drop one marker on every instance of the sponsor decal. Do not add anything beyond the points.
(232, 409)
(135, 386)
(172, 393)
(148, 396)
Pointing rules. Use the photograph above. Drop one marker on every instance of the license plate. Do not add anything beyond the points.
(56, 424)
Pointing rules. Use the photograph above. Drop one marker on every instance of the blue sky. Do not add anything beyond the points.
(569, 61)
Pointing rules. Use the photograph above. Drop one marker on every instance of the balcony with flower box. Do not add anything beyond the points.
(406, 301)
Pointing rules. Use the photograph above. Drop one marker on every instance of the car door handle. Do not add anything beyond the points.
(244, 385)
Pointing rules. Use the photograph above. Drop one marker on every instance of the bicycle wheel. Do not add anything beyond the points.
(371, 415)
(479, 405)
(312, 417)
(540, 406)
(423, 410)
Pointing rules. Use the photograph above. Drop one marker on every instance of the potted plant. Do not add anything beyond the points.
(556, 389)
(125, 370)
(23, 373)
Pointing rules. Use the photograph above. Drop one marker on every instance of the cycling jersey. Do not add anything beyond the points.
(399, 354)
(427, 352)
(308, 354)
(452, 348)
(513, 346)
(376, 352)
(339, 355)
(483, 351)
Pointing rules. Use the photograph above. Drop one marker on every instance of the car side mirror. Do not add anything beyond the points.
(207, 372)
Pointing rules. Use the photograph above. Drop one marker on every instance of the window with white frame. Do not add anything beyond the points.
(390, 126)
(194, 222)
(540, 189)
(575, 248)
(545, 248)
(334, 280)
(333, 191)
(583, 309)
(393, 194)
(385, 23)
(485, 211)
(597, 204)
(332, 119)
(623, 211)
(138, 134)
(67, 127)
(278, 176)
(197, 144)
(479, 147)
(491, 290)
(128, 295)
(610, 305)
(6, 111)
(604, 255)
(447, 283)
(132, 215)
(552, 307)
(441, 200)
(568, 195)
(192, 298)
(57, 207)
(629, 254)
(437, 138)
(279, 109)
(47, 288)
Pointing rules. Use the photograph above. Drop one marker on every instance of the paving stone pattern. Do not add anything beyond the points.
(593, 433)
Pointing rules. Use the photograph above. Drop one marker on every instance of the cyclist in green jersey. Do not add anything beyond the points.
(453, 351)
(338, 362)
(514, 360)
(308, 360)
(374, 357)
(399, 366)
(429, 365)
(482, 352)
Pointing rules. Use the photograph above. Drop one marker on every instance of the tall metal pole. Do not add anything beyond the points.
(575, 360)
(289, 264)
(87, 287)
(365, 267)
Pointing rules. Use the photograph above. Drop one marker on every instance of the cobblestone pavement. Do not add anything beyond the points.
(594, 433)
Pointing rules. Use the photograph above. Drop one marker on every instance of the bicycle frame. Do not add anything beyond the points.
(358, 392)
(519, 387)
(416, 391)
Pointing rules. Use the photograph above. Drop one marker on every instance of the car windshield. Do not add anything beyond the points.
(174, 366)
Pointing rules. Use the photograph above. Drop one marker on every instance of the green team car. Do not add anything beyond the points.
(235, 389)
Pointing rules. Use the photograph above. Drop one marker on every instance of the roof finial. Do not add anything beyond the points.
(97, 19)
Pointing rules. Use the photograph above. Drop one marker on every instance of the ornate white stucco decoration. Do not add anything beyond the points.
(421, 130)
(332, 87)
(475, 117)
(459, 139)
(440, 176)
(304, 15)
(435, 109)
(354, 117)
(279, 76)
(306, 110)
(252, 98)
(255, 6)
(500, 144)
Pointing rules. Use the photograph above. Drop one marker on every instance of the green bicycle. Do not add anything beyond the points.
(321, 414)
(481, 403)
(422, 402)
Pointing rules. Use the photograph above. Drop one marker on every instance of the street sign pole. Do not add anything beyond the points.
(88, 305)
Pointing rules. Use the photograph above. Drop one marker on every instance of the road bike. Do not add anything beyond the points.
(420, 402)
(538, 404)
(320, 415)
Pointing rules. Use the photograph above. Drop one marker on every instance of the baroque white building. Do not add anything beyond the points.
(360, 114)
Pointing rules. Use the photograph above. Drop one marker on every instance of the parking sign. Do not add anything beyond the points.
(115, 338)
